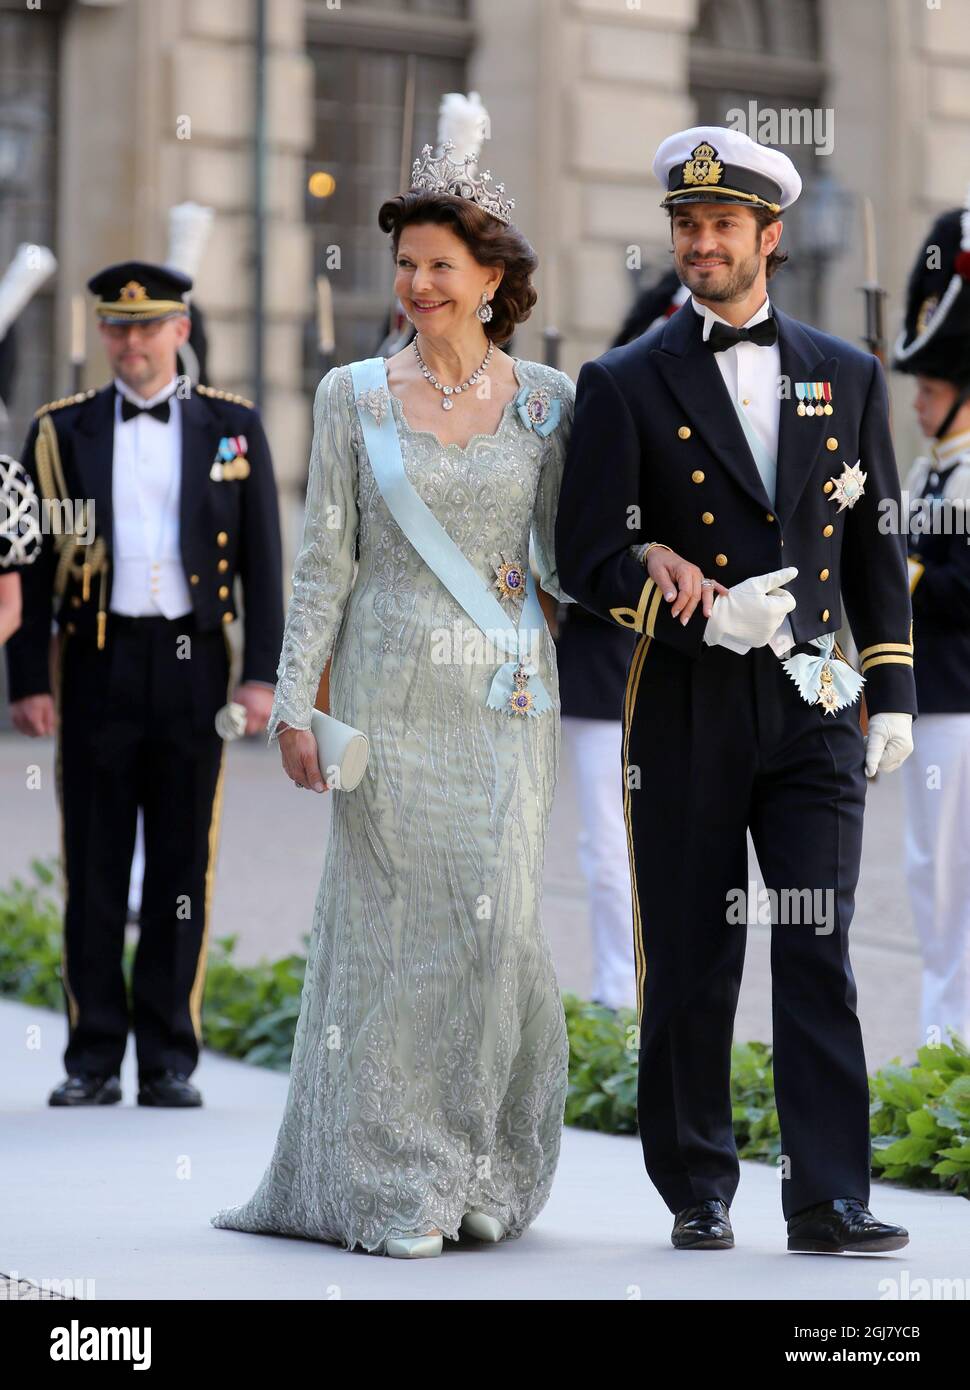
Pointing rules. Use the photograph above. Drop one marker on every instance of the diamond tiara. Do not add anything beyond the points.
(442, 174)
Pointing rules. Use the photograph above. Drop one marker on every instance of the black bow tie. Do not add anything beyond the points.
(723, 336)
(129, 410)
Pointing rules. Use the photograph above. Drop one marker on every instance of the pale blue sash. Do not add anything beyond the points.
(766, 465)
(440, 553)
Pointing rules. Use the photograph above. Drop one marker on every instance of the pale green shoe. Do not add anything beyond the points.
(413, 1247)
(482, 1227)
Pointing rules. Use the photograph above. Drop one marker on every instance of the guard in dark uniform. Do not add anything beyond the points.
(749, 718)
(168, 497)
(593, 658)
(934, 346)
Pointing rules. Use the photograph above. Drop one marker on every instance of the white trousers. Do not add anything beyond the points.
(596, 750)
(936, 779)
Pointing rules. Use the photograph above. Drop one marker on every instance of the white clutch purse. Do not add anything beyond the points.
(341, 749)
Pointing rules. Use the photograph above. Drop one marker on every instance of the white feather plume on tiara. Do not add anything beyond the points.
(462, 129)
(464, 121)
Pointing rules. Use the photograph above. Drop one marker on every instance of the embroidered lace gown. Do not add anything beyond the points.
(429, 1065)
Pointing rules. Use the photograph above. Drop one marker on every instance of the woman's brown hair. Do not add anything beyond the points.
(490, 242)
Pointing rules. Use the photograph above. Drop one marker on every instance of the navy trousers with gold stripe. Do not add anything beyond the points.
(720, 745)
(136, 728)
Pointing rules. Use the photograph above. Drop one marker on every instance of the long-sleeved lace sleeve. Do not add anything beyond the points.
(547, 494)
(323, 573)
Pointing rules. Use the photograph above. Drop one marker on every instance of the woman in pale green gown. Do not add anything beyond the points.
(429, 1068)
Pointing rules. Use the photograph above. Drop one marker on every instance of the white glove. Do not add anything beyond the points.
(749, 613)
(231, 721)
(888, 743)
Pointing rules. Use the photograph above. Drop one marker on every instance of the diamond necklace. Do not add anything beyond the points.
(449, 391)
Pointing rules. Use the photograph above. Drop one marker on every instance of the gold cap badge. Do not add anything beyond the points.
(703, 167)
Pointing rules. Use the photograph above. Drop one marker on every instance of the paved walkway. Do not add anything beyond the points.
(121, 1197)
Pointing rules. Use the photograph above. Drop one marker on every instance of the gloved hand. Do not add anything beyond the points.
(750, 612)
(888, 743)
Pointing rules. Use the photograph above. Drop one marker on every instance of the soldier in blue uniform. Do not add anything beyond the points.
(757, 449)
(168, 497)
(934, 346)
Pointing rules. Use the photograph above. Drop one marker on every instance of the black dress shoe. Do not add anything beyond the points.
(704, 1226)
(844, 1225)
(170, 1088)
(86, 1089)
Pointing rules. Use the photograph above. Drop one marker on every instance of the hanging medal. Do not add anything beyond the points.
(520, 701)
(827, 695)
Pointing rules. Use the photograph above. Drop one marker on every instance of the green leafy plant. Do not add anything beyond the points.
(920, 1118)
(919, 1115)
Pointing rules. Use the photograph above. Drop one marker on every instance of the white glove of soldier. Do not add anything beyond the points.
(749, 613)
(888, 743)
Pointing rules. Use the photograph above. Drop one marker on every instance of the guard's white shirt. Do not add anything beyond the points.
(751, 374)
(148, 577)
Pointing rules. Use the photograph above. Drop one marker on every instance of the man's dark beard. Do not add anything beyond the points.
(738, 284)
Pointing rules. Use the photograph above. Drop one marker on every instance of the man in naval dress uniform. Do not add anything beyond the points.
(934, 346)
(756, 449)
(593, 656)
(169, 497)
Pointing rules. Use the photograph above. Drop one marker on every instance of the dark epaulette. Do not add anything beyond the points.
(225, 396)
(66, 400)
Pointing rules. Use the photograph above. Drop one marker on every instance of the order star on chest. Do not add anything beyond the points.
(849, 486)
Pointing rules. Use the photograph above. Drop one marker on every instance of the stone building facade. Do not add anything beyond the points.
(137, 105)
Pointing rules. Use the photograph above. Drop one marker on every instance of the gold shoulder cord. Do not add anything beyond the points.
(50, 475)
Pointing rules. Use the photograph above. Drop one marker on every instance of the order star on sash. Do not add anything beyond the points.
(849, 486)
(509, 578)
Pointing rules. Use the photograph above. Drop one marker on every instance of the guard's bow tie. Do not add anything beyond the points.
(722, 335)
(129, 410)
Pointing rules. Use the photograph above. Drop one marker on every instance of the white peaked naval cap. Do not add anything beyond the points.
(712, 163)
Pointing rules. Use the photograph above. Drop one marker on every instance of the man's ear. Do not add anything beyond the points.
(770, 236)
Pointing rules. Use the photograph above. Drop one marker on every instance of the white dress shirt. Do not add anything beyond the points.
(149, 578)
(751, 374)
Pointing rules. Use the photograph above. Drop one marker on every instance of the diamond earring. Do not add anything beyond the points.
(484, 310)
